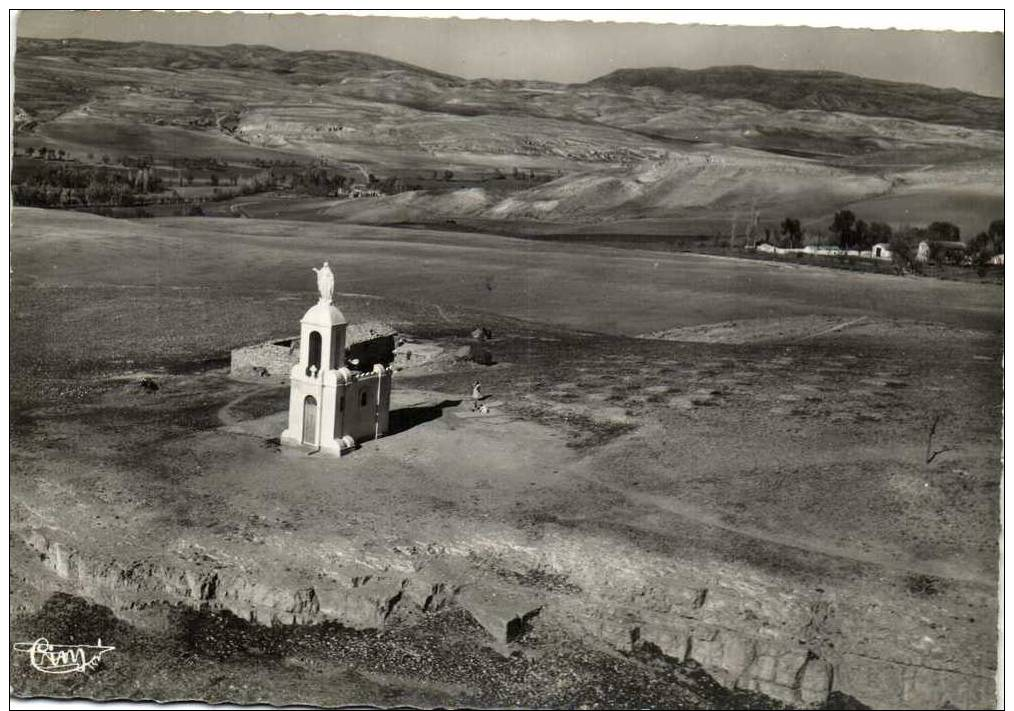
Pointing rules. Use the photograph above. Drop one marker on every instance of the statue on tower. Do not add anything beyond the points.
(325, 283)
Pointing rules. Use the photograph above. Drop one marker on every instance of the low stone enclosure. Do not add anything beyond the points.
(367, 344)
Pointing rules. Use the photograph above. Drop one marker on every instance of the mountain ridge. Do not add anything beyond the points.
(635, 144)
(819, 89)
(795, 89)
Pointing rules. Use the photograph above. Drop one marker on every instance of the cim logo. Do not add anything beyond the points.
(62, 658)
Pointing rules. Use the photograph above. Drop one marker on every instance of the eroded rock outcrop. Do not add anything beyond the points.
(741, 629)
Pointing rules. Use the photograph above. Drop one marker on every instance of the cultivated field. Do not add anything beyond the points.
(791, 485)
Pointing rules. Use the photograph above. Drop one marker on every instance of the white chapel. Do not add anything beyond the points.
(333, 407)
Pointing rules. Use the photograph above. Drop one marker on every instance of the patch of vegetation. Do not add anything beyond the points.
(537, 578)
(923, 585)
(584, 431)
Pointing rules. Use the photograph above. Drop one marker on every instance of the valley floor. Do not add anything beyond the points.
(806, 509)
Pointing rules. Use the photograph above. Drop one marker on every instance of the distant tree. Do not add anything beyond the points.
(980, 243)
(943, 232)
(995, 233)
(792, 231)
(106, 159)
(30, 151)
(980, 251)
(861, 236)
(516, 173)
(843, 227)
(61, 153)
(903, 246)
(189, 178)
(879, 232)
(214, 179)
(448, 175)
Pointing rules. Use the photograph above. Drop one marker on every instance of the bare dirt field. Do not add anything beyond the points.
(791, 487)
(593, 288)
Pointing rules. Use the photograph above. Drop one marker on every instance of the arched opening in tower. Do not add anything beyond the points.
(313, 362)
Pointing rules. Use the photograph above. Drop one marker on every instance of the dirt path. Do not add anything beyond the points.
(835, 329)
(237, 209)
(443, 315)
(225, 414)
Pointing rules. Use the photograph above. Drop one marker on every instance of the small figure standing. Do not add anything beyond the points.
(325, 283)
(476, 395)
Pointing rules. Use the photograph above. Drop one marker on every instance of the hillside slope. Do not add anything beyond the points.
(828, 91)
(638, 143)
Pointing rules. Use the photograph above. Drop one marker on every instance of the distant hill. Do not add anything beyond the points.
(310, 63)
(98, 64)
(827, 91)
(703, 150)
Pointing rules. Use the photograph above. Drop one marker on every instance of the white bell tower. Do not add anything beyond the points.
(330, 406)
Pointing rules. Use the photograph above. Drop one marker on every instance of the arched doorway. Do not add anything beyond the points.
(310, 420)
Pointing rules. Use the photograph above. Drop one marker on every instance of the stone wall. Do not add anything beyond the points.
(272, 361)
(265, 361)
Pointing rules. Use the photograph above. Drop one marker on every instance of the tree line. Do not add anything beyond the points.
(851, 233)
(70, 185)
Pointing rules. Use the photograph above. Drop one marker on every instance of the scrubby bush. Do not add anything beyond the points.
(903, 247)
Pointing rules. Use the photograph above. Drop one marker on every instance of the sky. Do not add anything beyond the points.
(562, 51)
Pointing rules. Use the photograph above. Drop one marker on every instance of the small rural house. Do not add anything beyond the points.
(948, 252)
(882, 250)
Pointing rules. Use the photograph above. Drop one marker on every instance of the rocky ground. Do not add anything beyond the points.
(604, 450)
